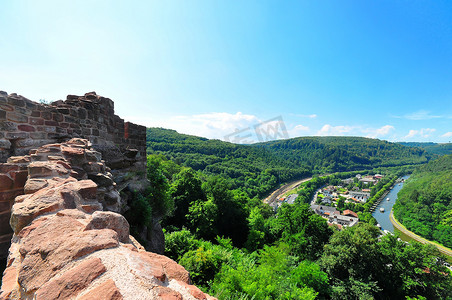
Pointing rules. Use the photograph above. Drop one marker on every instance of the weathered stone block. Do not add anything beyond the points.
(16, 117)
(38, 135)
(35, 113)
(79, 278)
(24, 143)
(107, 291)
(63, 110)
(17, 135)
(30, 105)
(51, 123)
(36, 121)
(26, 128)
(7, 126)
(6, 183)
(23, 111)
(5, 144)
(16, 102)
(47, 129)
(6, 107)
(69, 119)
(58, 117)
(110, 220)
(46, 115)
(19, 177)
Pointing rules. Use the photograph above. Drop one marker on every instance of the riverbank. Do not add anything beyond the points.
(416, 237)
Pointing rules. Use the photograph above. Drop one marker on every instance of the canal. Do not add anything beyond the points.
(383, 217)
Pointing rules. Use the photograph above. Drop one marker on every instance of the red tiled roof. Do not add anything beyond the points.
(348, 212)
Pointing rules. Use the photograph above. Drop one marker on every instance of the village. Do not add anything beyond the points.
(329, 201)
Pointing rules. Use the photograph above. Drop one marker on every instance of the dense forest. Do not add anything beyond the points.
(335, 154)
(424, 204)
(259, 168)
(207, 195)
(432, 148)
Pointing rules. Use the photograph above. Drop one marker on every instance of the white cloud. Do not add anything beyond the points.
(419, 115)
(378, 132)
(327, 130)
(215, 125)
(424, 133)
(298, 130)
(447, 134)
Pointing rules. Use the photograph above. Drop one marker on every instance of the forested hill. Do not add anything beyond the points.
(424, 204)
(432, 148)
(261, 167)
(343, 153)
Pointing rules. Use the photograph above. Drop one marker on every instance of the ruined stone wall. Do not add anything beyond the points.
(26, 125)
(66, 247)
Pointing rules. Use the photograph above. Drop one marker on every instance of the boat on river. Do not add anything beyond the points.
(387, 198)
(382, 209)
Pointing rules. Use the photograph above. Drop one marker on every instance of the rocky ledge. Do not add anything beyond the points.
(66, 247)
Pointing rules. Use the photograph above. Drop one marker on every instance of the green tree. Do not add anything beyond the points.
(185, 190)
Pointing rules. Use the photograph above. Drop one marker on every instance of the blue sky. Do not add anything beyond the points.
(380, 69)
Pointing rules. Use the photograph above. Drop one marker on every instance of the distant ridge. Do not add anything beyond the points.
(432, 148)
(280, 161)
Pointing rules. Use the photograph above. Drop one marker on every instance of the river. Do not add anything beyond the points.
(383, 217)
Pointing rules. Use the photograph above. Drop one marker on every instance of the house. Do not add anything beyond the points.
(350, 213)
(343, 220)
(360, 196)
(347, 181)
(327, 200)
(325, 211)
(366, 190)
(368, 180)
(291, 198)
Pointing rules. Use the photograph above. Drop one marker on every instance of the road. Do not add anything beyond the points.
(271, 199)
(414, 236)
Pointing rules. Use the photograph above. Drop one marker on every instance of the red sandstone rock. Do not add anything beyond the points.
(195, 292)
(59, 251)
(170, 267)
(110, 220)
(6, 182)
(165, 293)
(33, 185)
(64, 242)
(72, 282)
(105, 291)
(9, 282)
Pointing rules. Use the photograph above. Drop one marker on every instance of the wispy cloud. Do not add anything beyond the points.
(329, 130)
(419, 115)
(423, 133)
(447, 134)
(298, 130)
(379, 132)
(213, 125)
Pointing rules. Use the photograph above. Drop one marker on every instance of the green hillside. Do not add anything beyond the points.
(432, 148)
(258, 168)
(424, 204)
(343, 153)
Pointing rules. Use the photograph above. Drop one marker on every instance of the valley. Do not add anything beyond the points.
(253, 210)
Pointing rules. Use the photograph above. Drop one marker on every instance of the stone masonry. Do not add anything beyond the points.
(65, 246)
(26, 125)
